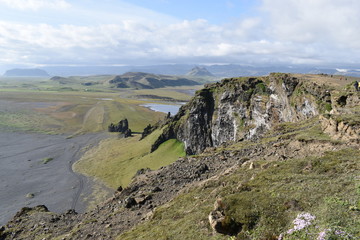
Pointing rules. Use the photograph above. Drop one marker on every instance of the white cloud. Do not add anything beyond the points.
(332, 22)
(130, 40)
(35, 4)
(304, 31)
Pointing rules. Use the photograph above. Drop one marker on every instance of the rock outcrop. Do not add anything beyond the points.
(221, 223)
(341, 129)
(243, 109)
(122, 127)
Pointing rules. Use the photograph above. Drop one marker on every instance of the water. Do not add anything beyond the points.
(165, 108)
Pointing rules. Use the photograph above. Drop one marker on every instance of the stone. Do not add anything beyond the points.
(221, 223)
(129, 202)
(156, 189)
(252, 165)
(141, 200)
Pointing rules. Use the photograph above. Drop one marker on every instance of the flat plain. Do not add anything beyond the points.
(46, 126)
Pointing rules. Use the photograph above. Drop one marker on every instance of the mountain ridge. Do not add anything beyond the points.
(200, 72)
(143, 80)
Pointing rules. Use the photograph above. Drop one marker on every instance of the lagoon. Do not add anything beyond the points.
(165, 108)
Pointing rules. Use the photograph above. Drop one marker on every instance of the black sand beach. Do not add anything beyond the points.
(37, 169)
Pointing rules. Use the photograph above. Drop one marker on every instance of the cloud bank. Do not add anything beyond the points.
(298, 32)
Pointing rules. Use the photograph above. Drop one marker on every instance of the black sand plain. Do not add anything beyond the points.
(36, 169)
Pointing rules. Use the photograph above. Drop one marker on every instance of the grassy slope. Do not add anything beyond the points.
(171, 92)
(258, 198)
(115, 161)
(327, 187)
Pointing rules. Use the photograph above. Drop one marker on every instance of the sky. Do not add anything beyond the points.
(35, 33)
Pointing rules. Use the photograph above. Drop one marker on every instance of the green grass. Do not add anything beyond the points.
(47, 160)
(260, 199)
(115, 161)
(170, 92)
(349, 119)
(77, 108)
(69, 112)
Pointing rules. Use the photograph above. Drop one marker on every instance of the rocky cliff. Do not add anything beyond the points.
(244, 109)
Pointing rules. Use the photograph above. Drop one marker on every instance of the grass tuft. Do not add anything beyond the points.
(47, 160)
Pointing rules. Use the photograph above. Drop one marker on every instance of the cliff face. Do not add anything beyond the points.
(243, 109)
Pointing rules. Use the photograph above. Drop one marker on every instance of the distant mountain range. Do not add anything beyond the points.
(19, 72)
(220, 71)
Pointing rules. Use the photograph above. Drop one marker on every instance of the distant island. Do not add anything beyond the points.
(26, 72)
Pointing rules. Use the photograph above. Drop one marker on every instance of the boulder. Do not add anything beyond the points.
(129, 202)
(221, 223)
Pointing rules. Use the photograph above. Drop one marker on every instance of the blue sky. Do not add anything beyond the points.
(216, 12)
(35, 33)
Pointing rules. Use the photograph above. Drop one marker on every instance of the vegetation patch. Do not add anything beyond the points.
(115, 161)
(47, 160)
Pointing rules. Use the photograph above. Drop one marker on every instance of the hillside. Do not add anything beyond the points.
(200, 72)
(141, 80)
(18, 72)
(275, 157)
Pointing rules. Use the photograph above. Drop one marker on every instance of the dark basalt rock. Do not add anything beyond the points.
(127, 133)
(122, 127)
(129, 202)
(156, 189)
(147, 131)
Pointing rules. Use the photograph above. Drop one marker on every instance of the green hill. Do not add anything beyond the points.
(141, 80)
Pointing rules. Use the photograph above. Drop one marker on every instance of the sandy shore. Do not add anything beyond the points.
(26, 180)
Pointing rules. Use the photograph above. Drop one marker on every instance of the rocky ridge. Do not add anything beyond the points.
(244, 109)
